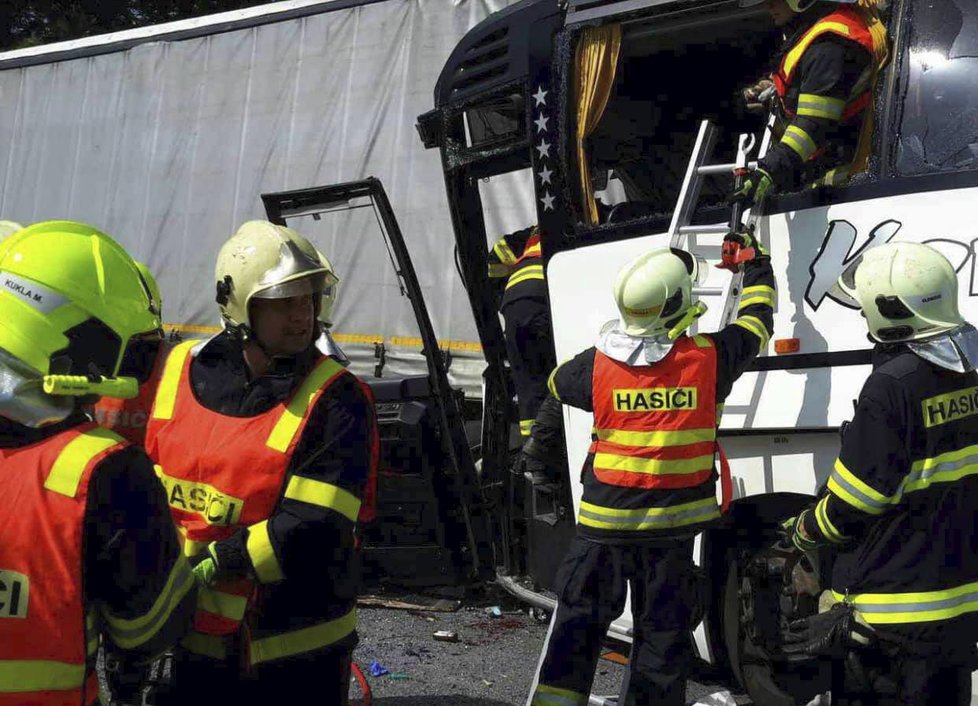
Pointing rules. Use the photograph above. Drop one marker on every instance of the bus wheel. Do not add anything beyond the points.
(757, 599)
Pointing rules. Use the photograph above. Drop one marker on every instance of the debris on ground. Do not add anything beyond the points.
(613, 656)
(445, 635)
(377, 669)
(719, 698)
(414, 602)
(494, 611)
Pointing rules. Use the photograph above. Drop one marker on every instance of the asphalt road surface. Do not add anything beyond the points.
(491, 664)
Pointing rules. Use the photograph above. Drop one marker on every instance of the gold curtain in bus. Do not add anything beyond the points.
(597, 60)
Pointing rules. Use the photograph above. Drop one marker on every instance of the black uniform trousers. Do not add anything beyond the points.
(891, 677)
(530, 351)
(320, 678)
(591, 589)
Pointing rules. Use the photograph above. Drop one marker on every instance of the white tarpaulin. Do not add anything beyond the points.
(167, 146)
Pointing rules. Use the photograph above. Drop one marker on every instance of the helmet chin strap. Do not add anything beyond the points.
(244, 334)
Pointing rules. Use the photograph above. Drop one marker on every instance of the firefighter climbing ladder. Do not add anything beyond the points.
(681, 230)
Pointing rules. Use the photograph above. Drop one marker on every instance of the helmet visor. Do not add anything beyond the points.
(844, 289)
(315, 284)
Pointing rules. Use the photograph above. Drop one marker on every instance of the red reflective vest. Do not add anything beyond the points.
(223, 473)
(128, 418)
(655, 425)
(47, 634)
(844, 22)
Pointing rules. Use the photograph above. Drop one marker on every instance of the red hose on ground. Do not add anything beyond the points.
(367, 699)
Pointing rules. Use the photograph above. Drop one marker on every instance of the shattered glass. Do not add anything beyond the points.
(938, 130)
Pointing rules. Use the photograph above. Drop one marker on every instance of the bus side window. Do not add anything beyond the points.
(937, 128)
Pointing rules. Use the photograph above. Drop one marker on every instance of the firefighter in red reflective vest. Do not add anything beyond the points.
(88, 554)
(649, 477)
(901, 501)
(128, 417)
(529, 334)
(821, 93)
(267, 450)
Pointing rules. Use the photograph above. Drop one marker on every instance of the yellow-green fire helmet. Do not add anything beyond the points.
(71, 300)
(155, 297)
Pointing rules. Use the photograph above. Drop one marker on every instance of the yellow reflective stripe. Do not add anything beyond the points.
(816, 106)
(552, 385)
(497, 269)
(259, 546)
(18, 676)
(68, 468)
(657, 467)
(760, 294)
(295, 411)
(607, 518)
(207, 645)
(190, 546)
(834, 177)
(534, 251)
(128, 633)
(304, 640)
(794, 56)
(504, 252)
(525, 273)
(916, 607)
(327, 495)
(946, 468)
(800, 141)
(719, 413)
(166, 392)
(756, 327)
(227, 605)
(844, 484)
(825, 524)
(526, 425)
(91, 634)
(655, 438)
(759, 289)
(552, 696)
(702, 341)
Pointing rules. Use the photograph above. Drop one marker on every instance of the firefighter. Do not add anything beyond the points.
(88, 553)
(267, 449)
(529, 335)
(128, 417)
(8, 228)
(822, 94)
(901, 501)
(649, 476)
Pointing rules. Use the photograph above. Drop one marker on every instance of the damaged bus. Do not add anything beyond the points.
(516, 109)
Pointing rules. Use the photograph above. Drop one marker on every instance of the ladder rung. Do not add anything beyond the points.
(709, 290)
(704, 230)
(722, 168)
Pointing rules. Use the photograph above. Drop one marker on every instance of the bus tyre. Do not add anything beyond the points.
(751, 607)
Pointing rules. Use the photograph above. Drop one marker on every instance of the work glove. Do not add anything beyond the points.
(757, 98)
(739, 247)
(205, 565)
(532, 464)
(756, 183)
(533, 469)
(829, 634)
(793, 530)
